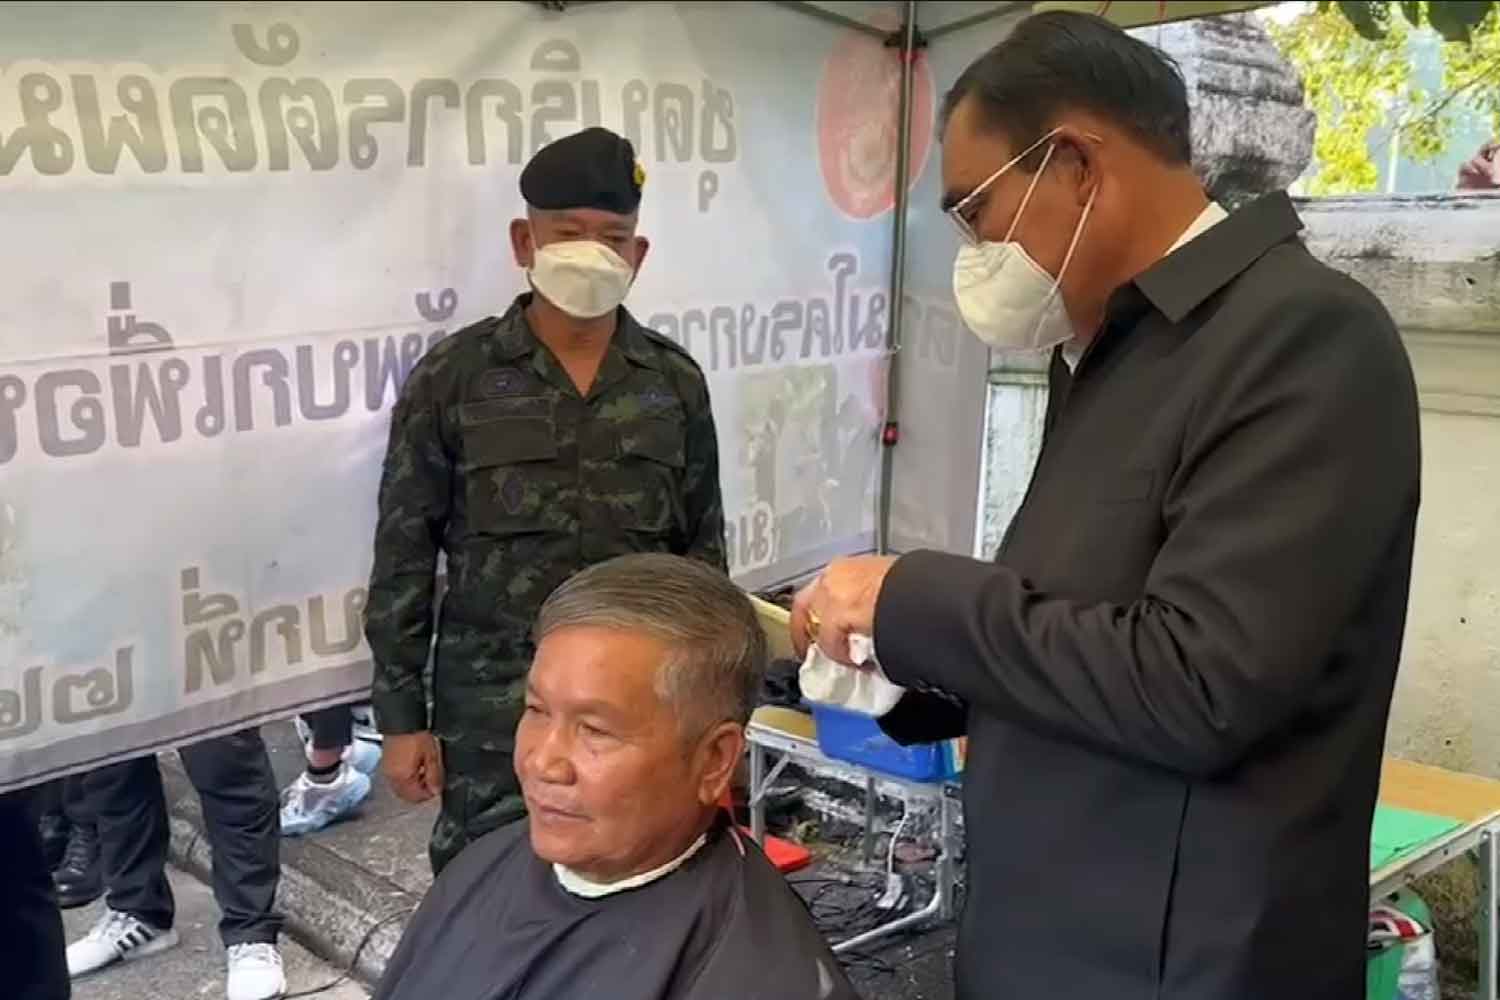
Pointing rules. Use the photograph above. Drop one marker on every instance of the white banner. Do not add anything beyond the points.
(229, 231)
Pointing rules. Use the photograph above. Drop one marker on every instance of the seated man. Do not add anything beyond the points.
(626, 881)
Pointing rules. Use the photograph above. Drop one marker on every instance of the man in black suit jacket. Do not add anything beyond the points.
(1176, 676)
(31, 928)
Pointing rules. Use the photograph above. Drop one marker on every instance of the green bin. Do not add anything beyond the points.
(1383, 966)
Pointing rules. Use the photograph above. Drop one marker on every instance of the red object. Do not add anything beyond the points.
(1161, 9)
(785, 855)
(857, 127)
(891, 434)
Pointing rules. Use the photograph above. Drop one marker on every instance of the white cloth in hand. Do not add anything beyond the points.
(865, 691)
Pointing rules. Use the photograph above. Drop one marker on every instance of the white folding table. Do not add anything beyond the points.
(788, 736)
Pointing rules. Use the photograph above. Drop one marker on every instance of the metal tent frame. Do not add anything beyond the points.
(909, 39)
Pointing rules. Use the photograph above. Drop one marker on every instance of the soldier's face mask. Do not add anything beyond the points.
(583, 278)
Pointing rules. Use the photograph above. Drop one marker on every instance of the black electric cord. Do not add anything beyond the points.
(354, 961)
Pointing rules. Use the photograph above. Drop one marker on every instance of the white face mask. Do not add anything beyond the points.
(1006, 297)
(583, 278)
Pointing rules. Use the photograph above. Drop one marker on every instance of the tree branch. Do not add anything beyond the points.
(1436, 108)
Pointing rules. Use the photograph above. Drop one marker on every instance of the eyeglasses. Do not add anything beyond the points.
(956, 212)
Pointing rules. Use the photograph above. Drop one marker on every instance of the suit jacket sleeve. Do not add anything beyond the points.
(923, 717)
(415, 494)
(1298, 479)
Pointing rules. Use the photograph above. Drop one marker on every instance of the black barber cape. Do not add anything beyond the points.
(1176, 676)
(724, 926)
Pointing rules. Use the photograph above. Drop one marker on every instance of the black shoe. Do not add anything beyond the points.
(54, 829)
(80, 881)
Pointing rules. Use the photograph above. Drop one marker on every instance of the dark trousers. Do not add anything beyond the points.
(332, 728)
(232, 775)
(75, 804)
(31, 930)
(47, 800)
(480, 794)
(63, 797)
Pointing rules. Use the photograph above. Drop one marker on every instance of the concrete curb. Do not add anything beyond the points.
(331, 906)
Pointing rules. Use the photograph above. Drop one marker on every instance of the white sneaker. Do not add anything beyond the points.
(364, 724)
(117, 937)
(255, 972)
(362, 755)
(307, 806)
(364, 752)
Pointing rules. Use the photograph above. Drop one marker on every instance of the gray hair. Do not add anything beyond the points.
(717, 651)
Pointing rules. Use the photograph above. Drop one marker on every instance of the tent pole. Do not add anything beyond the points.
(1000, 10)
(822, 14)
(890, 433)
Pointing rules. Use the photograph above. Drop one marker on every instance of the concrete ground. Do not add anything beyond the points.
(195, 968)
(347, 890)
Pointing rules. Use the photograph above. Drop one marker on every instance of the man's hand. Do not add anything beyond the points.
(413, 765)
(838, 604)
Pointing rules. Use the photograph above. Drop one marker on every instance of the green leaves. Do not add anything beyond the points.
(1369, 19)
(1361, 85)
(1454, 20)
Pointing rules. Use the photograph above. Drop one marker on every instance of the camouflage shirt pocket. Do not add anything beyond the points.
(653, 459)
(510, 484)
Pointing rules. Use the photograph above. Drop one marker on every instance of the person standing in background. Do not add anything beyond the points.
(52, 822)
(70, 839)
(342, 750)
(526, 448)
(232, 776)
(35, 966)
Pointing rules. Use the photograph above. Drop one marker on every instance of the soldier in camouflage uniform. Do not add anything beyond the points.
(525, 448)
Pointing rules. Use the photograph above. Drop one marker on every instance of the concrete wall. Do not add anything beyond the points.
(1435, 262)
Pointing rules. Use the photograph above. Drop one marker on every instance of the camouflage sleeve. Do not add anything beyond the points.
(702, 499)
(413, 512)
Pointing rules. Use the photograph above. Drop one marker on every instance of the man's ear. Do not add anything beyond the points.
(1082, 159)
(717, 756)
(521, 243)
(642, 247)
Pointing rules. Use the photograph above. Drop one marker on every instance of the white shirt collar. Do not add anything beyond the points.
(578, 885)
(1211, 216)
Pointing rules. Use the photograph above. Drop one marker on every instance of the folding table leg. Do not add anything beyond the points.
(757, 792)
(947, 859)
(1489, 901)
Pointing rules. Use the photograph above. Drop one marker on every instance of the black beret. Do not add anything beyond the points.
(590, 169)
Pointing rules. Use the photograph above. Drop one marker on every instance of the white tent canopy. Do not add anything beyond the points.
(233, 229)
